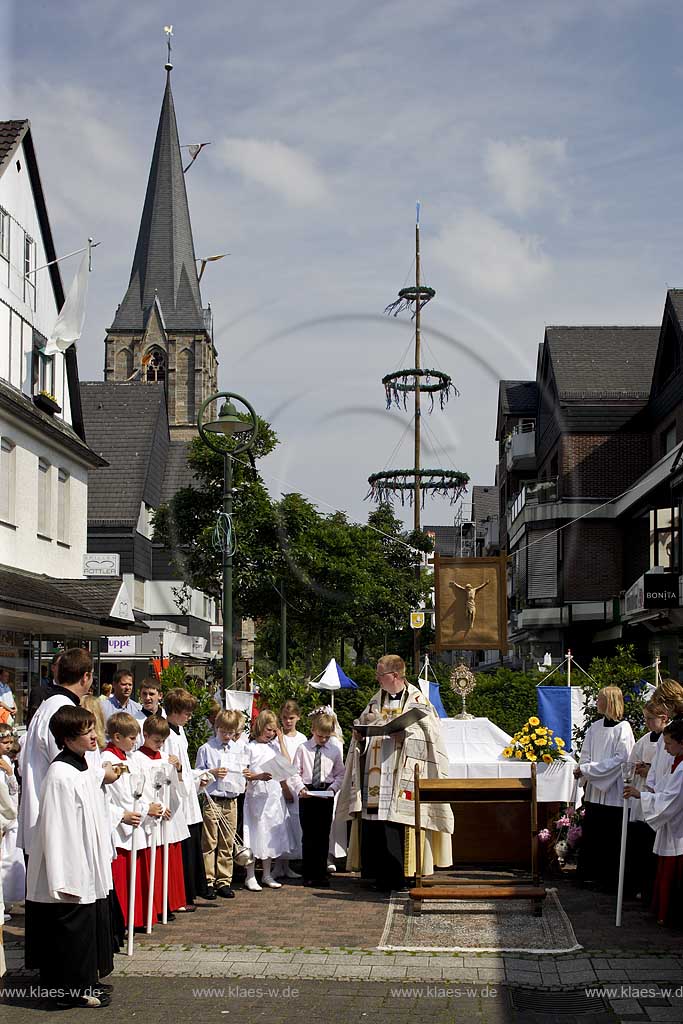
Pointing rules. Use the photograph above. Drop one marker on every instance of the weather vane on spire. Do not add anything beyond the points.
(168, 29)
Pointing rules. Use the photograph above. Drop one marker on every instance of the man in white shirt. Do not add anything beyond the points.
(121, 699)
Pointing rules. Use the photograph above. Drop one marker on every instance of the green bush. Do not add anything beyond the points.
(624, 671)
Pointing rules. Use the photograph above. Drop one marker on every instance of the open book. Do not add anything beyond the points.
(397, 724)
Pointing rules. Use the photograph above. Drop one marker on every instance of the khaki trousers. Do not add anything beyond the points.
(218, 839)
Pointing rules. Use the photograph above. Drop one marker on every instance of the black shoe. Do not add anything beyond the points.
(322, 883)
(187, 909)
(105, 988)
(170, 916)
(210, 893)
(309, 884)
(226, 892)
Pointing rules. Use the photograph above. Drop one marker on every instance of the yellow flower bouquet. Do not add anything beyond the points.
(535, 742)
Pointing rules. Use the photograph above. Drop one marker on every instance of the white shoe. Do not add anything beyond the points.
(270, 882)
(332, 868)
(8, 917)
(252, 885)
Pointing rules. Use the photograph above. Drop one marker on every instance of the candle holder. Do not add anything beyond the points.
(628, 772)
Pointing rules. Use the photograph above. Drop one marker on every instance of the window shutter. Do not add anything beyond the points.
(542, 565)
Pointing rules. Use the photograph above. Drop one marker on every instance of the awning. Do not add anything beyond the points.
(85, 608)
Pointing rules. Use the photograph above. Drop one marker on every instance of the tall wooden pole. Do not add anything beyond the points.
(417, 493)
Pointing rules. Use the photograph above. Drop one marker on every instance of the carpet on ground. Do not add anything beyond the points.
(478, 927)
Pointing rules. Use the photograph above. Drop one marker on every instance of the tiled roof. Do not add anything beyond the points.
(88, 601)
(518, 397)
(126, 424)
(178, 474)
(164, 262)
(610, 363)
(11, 134)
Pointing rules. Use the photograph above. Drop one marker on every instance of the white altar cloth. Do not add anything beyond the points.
(474, 752)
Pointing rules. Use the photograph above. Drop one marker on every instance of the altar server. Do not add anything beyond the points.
(670, 693)
(40, 748)
(69, 874)
(663, 810)
(641, 862)
(149, 758)
(179, 707)
(606, 747)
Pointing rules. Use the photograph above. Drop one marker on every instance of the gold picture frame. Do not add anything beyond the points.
(471, 603)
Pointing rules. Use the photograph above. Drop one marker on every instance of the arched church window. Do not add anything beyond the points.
(155, 365)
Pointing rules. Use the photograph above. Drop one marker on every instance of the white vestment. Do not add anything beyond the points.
(605, 749)
(70, 858)
(663, 811)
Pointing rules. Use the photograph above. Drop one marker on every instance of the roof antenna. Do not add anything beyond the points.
(168, 29)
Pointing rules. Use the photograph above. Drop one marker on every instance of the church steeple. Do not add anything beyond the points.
(164, 262)
(160, 330)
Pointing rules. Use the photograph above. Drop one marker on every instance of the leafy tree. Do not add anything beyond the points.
(340, 579)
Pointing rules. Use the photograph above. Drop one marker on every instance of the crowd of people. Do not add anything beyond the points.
(101, 791)
(109, 828)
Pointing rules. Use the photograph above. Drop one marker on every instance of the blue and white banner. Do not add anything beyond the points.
(560, 708)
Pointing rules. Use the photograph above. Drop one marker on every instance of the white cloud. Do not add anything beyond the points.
(489, 257)
(525, 173)
(278, 167)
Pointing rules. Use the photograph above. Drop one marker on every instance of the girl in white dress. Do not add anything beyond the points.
(606, 747)
(290, 714)
(267, 825)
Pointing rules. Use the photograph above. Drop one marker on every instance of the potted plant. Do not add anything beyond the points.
(47, 402)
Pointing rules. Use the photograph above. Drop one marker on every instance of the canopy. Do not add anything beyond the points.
(334, 678)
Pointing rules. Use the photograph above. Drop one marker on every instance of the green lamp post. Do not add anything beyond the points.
(212, 433)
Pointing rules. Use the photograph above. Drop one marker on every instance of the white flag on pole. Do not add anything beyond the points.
(69, 325)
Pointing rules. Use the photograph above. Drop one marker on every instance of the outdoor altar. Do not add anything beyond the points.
(498, 832)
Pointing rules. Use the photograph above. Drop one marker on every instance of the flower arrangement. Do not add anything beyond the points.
(46, 394)
(564, 834)
(535, 742)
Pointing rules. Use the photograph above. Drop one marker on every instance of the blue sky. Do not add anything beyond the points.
(542, 138)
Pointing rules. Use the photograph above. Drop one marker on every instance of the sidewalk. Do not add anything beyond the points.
(330, 936)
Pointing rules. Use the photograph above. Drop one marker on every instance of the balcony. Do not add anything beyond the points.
(537, 493)
(520, 447)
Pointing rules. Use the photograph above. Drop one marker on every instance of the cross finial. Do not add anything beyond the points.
(168, 29)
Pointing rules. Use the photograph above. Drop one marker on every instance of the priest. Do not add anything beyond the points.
(377, 793)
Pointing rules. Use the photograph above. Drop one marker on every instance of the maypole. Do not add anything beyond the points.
(416, 482)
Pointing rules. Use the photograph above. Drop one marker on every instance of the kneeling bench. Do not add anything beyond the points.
(478, 791)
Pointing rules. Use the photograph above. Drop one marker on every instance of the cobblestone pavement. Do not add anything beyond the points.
(323, 943)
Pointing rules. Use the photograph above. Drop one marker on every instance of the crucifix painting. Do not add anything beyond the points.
(471, 603)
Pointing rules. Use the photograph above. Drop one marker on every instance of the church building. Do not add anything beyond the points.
(160, 365)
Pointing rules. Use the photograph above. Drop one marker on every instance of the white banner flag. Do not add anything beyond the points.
(69, 325)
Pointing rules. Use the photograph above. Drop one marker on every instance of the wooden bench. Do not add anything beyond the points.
(511, 790)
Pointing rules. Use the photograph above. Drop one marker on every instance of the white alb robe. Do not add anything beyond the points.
(661, 765)
(644, 750)
(12, 869)
(605, 749)
(267, 826)
(177, 744)
(172, 796)
(663, 811)
(70, 858)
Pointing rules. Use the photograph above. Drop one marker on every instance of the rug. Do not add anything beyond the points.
(478, 927)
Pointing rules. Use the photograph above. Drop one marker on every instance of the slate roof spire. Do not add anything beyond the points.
(164, 262)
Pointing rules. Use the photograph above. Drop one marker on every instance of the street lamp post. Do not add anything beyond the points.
(228, 424)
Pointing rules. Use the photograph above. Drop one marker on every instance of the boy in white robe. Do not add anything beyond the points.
(663, 810)
(641, 862)
(69, 872)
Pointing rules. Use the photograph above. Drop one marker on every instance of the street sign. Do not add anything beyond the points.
(417, 620)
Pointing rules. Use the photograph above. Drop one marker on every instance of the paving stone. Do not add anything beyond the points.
(388, 972)
(622, 1006)
(663, 1013)
(310, 958)
(352, 971)
(491, 973)
(290, 970)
